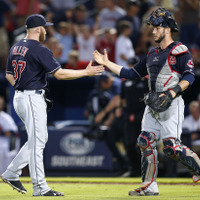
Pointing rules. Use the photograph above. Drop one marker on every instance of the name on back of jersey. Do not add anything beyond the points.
(20, 50)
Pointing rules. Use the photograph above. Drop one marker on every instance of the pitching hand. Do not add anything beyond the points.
(94, 70)
(101, 58)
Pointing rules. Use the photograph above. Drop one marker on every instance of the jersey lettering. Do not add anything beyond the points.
(14, 64)
(172, 60)
(18, 68)
(20, 50)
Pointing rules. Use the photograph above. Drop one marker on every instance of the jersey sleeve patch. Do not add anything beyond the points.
(190, 63)
(179, 49)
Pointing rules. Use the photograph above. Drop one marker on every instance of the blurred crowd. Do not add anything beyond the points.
(80, 27)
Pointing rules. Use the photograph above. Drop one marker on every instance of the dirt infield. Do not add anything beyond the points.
(110, 183)
(173, 182)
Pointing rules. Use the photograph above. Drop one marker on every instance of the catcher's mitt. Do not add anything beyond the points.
(158, 104)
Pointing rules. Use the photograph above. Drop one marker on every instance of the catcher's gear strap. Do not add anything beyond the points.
(179, 49)
(149, 162)
(177, 89)
(174, 149)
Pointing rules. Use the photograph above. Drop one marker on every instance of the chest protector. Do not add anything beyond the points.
(162, 65)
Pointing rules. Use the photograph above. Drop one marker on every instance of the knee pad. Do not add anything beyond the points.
(174, 149)
(170, 147)
(146, 139)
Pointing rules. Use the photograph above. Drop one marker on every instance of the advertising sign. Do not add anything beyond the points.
(68, 149)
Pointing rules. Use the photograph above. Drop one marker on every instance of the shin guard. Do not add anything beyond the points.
(149, 162)
(174, 149)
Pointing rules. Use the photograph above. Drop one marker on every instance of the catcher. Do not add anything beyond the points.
(171, 71)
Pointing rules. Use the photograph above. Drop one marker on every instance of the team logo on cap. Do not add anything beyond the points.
(190, 64)
(172, 60)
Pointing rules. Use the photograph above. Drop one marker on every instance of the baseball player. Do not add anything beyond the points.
(27, 67)
(171, 71)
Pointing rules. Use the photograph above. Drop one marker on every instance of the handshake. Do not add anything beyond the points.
(102, 59)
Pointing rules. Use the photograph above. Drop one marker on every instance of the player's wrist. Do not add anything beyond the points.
(107, 63)
(87, 72)
(176, 90)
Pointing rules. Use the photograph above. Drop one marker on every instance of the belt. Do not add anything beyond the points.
(34, 91)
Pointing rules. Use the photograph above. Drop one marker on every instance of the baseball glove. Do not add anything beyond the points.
(158, 104)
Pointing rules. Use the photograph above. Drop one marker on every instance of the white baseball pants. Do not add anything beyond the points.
(31, 108)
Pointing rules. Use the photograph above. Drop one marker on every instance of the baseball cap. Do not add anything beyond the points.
(36, 20)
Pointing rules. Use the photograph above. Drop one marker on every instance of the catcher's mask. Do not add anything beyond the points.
(162, 17)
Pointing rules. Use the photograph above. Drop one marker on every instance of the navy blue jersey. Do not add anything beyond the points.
(29, 62)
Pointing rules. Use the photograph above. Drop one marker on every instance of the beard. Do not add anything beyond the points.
(160, 39)
(42, 36)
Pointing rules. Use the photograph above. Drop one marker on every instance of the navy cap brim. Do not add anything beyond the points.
(48, 24)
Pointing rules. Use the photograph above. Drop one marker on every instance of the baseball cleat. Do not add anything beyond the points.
(196, 178)
(17, 185)
(51, 193)
(142, 192)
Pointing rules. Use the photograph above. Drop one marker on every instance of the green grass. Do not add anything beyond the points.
(105, 189)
